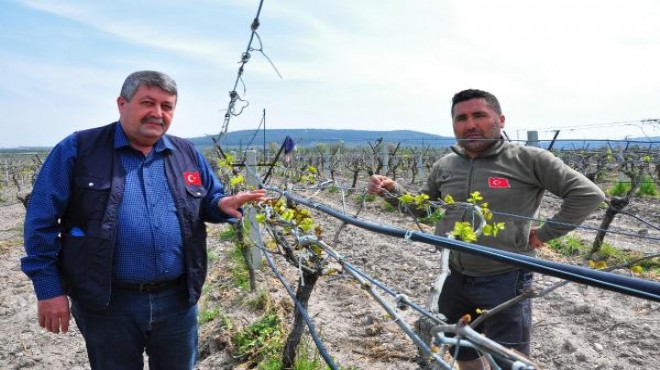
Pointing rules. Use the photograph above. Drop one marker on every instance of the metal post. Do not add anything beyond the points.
(384, 156)
(327, 159)
(420, 167)
(251, 180)
(533, 138)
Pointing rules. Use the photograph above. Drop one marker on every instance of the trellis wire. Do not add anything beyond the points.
(476, 341)
(618, 283)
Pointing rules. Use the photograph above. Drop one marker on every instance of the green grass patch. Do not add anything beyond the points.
(262, 342)
(607, 256)
(208, 315)
(650, 264)
(388, 207)
(333, 189)
(619, 189)
(261, 301)
(238, 268)
(308, 357)
(365, 198)
(612, 254)
(647, 187)
(229, 234)
(568, 246)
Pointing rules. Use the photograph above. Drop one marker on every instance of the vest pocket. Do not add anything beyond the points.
(91, 183)
(196, 191)
(88, 201)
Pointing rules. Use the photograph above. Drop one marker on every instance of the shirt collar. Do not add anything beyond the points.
(121, 140)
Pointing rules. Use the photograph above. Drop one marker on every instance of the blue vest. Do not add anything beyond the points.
(98, 186)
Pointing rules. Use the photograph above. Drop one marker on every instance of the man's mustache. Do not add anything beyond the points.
(153, 120)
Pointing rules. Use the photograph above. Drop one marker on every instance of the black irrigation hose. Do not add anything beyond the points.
(310, 325)
(618, 283)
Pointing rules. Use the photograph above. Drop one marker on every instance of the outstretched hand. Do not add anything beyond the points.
(230, 205)
(378, 183)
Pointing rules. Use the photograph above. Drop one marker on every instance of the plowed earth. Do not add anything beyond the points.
(575, 327)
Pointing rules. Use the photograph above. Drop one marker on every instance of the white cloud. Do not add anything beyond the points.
(365, 64)
(138, 28)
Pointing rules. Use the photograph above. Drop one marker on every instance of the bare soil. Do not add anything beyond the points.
(575, 327)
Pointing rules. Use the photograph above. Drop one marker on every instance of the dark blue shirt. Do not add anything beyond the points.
(149, 246)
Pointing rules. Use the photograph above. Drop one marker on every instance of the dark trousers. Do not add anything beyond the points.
(163, 324)
(512, 328)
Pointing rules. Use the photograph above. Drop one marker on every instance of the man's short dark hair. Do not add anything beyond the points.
(470, 94)
(149, 79)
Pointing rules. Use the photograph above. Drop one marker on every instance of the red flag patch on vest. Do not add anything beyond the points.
(498, 182)
(192, 178)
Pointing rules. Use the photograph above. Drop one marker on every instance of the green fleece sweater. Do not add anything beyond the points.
(512, 179)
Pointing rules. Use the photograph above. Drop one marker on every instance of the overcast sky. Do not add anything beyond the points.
(591, 68)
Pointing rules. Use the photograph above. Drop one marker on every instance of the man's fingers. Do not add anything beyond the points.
(232, 203)
(55, 325)
(233, 213)
(373, 187)
(64, 323)
(378, 183)
(48, 324)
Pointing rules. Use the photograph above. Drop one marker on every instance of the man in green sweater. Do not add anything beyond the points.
(512, 179)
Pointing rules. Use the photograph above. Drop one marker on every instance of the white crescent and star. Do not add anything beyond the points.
(498, 182)
(192, 178)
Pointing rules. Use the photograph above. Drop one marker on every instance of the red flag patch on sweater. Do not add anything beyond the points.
(192, 178)
(498, 182)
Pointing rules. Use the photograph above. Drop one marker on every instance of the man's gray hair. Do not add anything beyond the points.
(149, 79)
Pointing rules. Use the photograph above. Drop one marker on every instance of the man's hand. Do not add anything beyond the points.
(54, 314)
(534, 240)
(378, 183)
(230, 205)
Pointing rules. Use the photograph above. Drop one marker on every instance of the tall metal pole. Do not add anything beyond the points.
(264, 135)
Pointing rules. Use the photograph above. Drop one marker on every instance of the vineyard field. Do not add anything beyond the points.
(574, 327)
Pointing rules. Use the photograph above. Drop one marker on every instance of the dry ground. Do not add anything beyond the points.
(575, 327)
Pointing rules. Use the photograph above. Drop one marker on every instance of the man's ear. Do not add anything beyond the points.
(121, 102)
(501, 120)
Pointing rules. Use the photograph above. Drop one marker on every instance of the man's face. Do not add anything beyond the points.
(147, 116)
(476, 125)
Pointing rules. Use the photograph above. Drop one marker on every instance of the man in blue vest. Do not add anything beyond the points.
(116, 223)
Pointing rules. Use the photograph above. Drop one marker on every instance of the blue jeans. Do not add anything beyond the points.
(512, 328)
(163, 324)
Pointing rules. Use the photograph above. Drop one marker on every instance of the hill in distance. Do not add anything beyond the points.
(311, 137)
(408, 138)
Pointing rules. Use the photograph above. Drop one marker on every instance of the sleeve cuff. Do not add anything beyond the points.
(47, 287)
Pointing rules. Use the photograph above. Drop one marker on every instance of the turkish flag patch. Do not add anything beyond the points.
(498, 182)
(192, 178)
